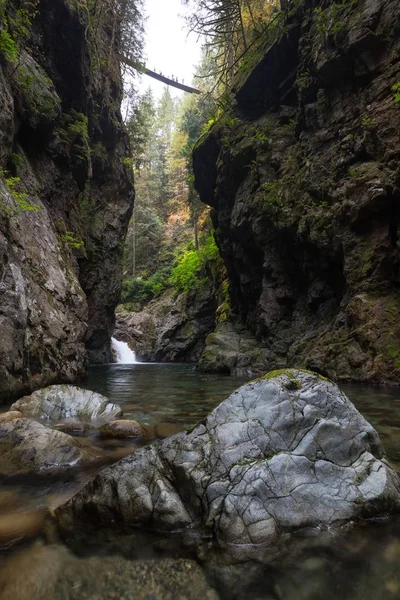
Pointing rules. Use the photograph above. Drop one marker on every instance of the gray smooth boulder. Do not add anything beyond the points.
(58, 402)
(283, 453)
(27, 446)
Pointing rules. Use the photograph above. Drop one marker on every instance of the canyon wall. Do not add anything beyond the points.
(303, 175)
(66, 196)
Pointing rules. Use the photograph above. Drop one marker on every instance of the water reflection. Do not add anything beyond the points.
(360, 564)
(161, 393)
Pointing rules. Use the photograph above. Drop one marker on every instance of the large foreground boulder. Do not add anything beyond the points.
(283, 453)
(58, 402)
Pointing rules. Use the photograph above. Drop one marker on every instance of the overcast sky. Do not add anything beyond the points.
(169, 49)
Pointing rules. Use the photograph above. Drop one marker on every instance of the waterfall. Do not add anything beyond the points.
(124, 354)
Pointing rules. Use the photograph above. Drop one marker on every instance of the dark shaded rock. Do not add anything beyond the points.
(67, 402)
(232, 349)
(122, 429)
(284, 453)
(52, 573)
(65, 203)
(304, 183)
(170, 328)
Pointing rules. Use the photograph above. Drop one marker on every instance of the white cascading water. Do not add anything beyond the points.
(124, 354)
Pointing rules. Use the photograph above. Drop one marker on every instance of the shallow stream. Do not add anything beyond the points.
(362, 563)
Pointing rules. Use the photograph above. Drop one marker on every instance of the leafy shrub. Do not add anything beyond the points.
(72, 241)
(141, 290)
(8, 48)
(187, 273)
(396, 90)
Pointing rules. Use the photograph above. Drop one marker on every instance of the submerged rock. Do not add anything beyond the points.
(122, 429)
(52, 573)
(67, 402)
(26, 446)
(283, 453)
(73, 427)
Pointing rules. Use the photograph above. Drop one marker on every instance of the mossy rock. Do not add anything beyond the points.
(39, 102)
(294, 383)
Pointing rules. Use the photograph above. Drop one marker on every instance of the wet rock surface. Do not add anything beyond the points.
(122, 429)
(171, 329)
(233, 350)
(52, 573)
(27, 446)
(58, 402)
(302, 177)
(283, 454)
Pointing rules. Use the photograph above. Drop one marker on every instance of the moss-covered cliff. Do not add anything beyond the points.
(304, 179)
(66, 193)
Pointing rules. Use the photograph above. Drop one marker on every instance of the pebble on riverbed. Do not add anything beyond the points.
(122, 429)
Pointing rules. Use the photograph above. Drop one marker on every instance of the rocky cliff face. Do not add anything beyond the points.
(65, 198)
(170, 328)
(303, 176)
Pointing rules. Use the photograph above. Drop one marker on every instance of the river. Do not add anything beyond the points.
(362, 563)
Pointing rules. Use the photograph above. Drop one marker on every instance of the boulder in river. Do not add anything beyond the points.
(121, 429)
(58, 402)
(283, 453)
(27, 446)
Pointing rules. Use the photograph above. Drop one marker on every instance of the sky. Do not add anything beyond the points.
(169, 49)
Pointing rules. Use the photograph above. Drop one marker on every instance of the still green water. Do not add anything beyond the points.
(180, 395)
(360, 564)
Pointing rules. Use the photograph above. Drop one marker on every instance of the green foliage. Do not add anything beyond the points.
(367, 123)
(140, 128)
(19, 194)
(99, 153)
(141, 290)
(17, 160)
(128, 162)
(393, 351)
(396, 90)
(8, 48)
(40, 100)
(303, 80)
(188, 273)
(331, 20)
(73, 242)
(185, 275)
(272, 193)
(16, 19)
(75, 135)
